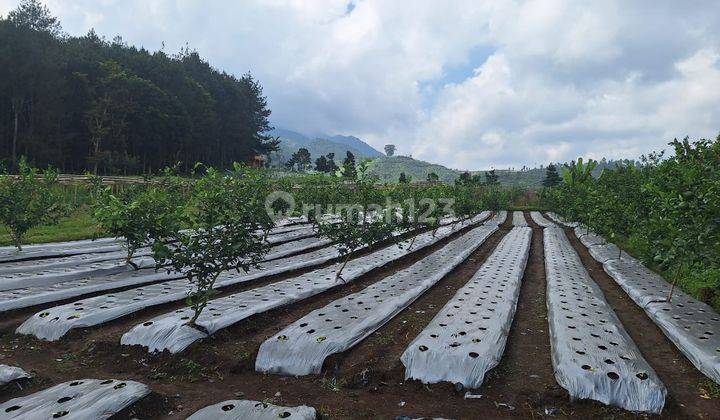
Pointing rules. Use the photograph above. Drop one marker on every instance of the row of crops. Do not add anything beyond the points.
(200, 227)
(665, 210)
(592, 354)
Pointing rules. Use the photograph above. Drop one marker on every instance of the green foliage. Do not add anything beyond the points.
(349, 169)
(666, 210)
(142, 213)
(28, 200)
(326, 164)
(300, 160)
(491, 177)
(389, 149)
(364, 220)
(403, 178)
(229, 228)
(578, 172)
(432, 177)
(85, 103)
(552, 178)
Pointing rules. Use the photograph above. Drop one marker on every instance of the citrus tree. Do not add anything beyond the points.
(141, 214)
(364, 220)
(29, 199)
(228, 212)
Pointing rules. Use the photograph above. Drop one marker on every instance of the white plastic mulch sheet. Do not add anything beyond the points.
(600, 249)
(301, 348)
(81, 399)
(467, 337)
(538, 218)
(81, 270)
(60, 249)
(53, 323)
(11, 373)
(170, 331)
(69, 261)
(298, 232)
(279, 234)
(36, 295)
(519, 219)
(592, 355)
(558, 219)
(252, 410)
(691, 325)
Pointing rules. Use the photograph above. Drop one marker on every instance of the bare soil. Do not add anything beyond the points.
(368, 380)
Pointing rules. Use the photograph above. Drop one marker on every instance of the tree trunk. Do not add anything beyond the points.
(15, 137)
(672, 288)
(338, 275)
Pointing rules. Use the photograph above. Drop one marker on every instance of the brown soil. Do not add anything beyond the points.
(366, 381)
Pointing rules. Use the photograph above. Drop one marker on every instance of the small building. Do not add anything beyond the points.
(258, 161)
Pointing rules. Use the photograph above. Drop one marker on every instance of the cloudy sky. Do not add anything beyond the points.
(468, 84)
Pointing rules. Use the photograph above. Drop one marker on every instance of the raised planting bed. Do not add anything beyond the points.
(592, 354)
(170, 331)
(467, 337)
(255, 410)
(538, 218)
(79, 399)
(519, 219)
(693, 326)
(301, 348)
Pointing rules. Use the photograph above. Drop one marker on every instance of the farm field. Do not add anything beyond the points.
(479, 307)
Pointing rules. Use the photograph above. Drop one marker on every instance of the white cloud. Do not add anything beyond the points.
(556, 79)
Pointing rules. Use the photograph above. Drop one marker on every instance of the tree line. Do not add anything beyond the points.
(664, 210)
(88, 104)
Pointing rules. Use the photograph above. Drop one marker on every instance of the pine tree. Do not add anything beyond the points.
(349, 170)
(552, 178)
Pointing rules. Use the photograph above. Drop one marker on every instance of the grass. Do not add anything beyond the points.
(700, 282)
(78, 225)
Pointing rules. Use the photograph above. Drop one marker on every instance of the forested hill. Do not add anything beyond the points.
(81, 103)
(291, 141)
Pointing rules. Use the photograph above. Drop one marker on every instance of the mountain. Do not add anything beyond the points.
(358, 144)
(291, 141)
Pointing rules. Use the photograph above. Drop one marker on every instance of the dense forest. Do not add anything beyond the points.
(88, 104)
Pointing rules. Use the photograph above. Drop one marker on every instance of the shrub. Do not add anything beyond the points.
(29, 199)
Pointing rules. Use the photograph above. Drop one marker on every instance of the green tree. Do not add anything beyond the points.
(349, 169)
(433, 177)
(321, 164)
(34, 15)
(403, 178)
(228, 218)
(143, 213)
(28, 200)
(552, 178)
(364, 223)
(491, 177)
(390, 149)
(464, 179)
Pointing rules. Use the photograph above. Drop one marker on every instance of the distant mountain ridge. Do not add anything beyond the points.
(291, 141)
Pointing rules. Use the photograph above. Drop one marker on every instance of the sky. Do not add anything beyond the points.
(467, 84)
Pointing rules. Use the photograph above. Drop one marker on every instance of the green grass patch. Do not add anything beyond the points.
(78, 225)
